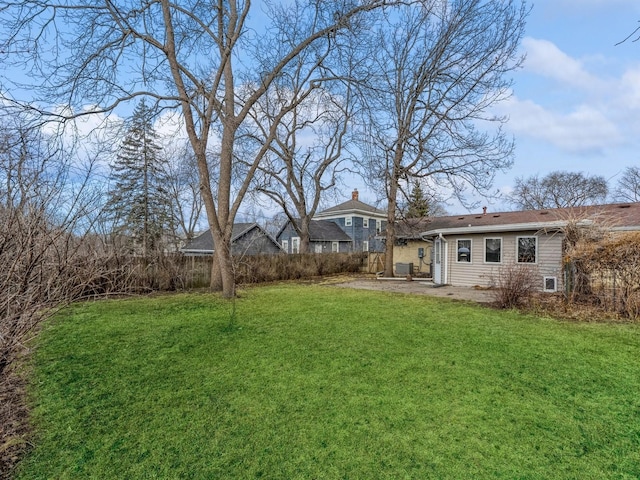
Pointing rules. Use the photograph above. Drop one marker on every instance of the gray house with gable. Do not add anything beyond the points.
(246, 239)
(351, 226)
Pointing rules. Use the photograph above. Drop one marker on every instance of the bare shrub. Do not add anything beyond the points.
(610, 269)
(48, 258)
(514, 285)
(271, 268)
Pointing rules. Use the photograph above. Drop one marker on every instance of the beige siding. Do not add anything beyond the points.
(409, 254)
(480, 273)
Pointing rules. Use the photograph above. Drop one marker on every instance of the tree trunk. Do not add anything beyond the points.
(391, 225)
(304, 234)
(215, 283)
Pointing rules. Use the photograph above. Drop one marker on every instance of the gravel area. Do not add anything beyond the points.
(420, 287)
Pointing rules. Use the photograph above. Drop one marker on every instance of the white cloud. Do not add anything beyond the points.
(546, 59)
(585, 129)
(629, 89)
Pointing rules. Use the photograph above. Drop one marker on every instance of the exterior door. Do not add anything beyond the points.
(437, 261)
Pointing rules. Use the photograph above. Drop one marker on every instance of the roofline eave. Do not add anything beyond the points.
(512, 227)
(342, 213)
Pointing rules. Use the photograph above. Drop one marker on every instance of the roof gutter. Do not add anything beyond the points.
(513, 227)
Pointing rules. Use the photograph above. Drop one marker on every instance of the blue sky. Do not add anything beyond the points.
(576, 101)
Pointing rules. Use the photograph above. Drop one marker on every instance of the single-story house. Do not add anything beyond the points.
(325, 236)
(246, 239)
(472, 249)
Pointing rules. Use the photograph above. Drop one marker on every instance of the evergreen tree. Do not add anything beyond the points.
(418, 205)
(138, 205)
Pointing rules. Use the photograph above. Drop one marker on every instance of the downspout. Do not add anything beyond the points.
(444, 260)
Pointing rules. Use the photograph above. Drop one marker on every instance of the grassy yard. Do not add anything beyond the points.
(315, 382)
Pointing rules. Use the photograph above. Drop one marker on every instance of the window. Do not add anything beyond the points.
(493, 250)
(335, 247)
(348, 221)
(318, 248)
(365, 222)
(295, 245)
(464, 250)
(527, 249)
(378, 226)
(365, 246)
(285, 245)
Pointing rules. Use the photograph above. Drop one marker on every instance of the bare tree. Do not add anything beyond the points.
(48, 255)
(437, 68)
(184, 189)
(199, 57)
(558, 190)
(628, 187)
(308, 155)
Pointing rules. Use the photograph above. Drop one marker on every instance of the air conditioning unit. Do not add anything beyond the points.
(404, 268)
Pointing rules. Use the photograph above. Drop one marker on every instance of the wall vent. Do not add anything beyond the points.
(550, 284)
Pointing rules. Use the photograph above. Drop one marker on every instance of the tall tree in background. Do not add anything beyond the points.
(203, 58)
(628, 186)
(436, 69)
(308, 155)
(139, 203)
(558, 190)
(183, 187)
(419, 204)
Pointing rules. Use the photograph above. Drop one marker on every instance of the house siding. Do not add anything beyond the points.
(549, 258)
(409, 254)
(289, 232)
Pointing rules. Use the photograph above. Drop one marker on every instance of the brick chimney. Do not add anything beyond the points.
(354, 194)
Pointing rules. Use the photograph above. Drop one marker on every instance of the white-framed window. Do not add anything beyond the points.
(365, 245)
(335, 247)
(348, 221)
(463, 250)
(493, 250)
(378, 226)
(317, 248)
(365, 222)
(285, 245)
(295, 245)
(527, 249)
(436, 251)
(550, 284)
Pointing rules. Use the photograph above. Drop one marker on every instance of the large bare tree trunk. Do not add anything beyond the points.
(391, 219)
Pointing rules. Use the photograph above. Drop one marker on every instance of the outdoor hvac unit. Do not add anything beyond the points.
(404, 268)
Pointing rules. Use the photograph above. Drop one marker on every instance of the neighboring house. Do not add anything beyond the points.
(246, 239)
(359, 221)
(411, 253)
(470, 250)
(324, 237)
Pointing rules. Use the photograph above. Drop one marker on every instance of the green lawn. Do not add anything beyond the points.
(316, 382)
